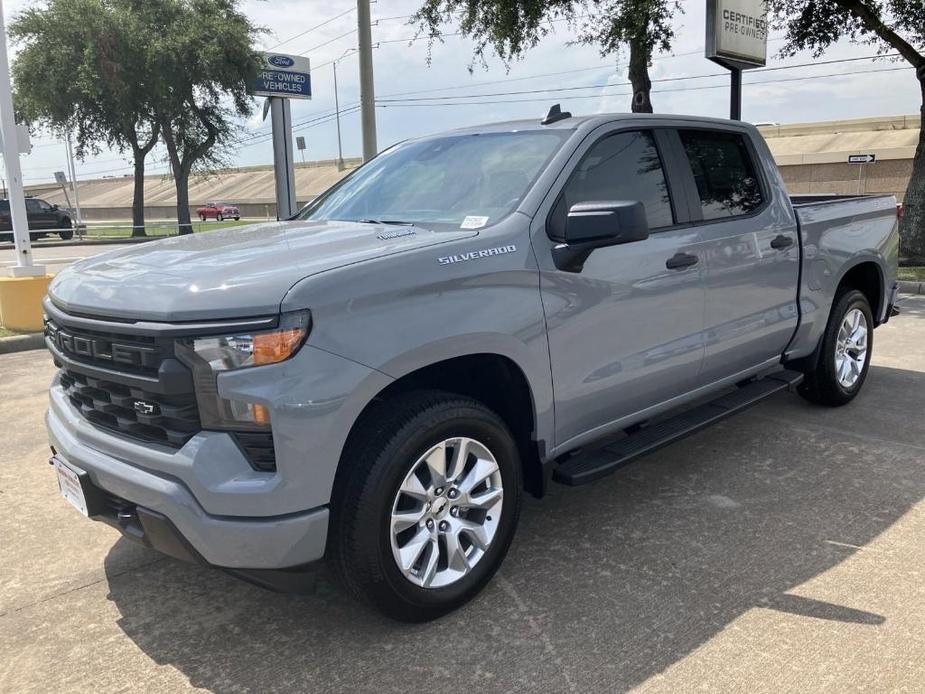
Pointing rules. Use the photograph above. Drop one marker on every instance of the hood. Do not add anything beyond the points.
(229, 273)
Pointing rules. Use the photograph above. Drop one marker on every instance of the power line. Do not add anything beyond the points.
(308, 31)
(627, 84)
(329, 41)
(659, 91)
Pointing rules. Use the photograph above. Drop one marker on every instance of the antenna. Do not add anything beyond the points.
(554, 114)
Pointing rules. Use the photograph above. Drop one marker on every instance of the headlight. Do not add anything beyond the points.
(208, 356)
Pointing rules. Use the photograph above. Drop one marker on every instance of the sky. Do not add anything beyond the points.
(442, 87)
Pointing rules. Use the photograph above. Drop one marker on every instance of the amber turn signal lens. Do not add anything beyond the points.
(270, 348)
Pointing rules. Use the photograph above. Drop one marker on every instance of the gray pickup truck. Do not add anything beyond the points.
(465, 318)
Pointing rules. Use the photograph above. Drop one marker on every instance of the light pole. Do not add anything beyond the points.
(367, 92)
(24, 266)
(340, 153)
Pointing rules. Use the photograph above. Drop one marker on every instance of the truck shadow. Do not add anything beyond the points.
(606, 585)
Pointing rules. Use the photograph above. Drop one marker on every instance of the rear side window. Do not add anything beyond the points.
(724, 173)
(625, 166)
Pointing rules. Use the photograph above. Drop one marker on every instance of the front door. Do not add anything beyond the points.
(625, 333)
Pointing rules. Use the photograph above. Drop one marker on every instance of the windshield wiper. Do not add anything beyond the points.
(396, 222)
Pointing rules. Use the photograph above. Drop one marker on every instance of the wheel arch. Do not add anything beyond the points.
(866, 276)
(496, 380)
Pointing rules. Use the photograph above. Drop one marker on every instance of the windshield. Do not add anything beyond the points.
(459, 181)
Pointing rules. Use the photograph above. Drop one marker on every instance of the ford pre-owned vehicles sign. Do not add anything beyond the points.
(283, 75)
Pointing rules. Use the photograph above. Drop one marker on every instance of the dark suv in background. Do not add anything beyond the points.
(44, 218)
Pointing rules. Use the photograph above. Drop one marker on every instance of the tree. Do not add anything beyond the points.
(890, 25)
(199, 61)
(90, 66)
(510, 28)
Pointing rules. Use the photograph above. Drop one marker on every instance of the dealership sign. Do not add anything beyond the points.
(737, 33)
(283, 75)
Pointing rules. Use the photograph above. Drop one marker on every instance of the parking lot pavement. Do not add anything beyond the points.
(780, 551)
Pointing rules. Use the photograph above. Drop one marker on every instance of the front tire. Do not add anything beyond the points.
(66, 233)
(202, 218)
(845, 351)
(219, 217)
(425, 505)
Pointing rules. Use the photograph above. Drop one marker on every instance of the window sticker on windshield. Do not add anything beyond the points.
(473, 222)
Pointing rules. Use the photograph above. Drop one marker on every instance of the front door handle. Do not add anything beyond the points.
(781, 242)
(681, 260)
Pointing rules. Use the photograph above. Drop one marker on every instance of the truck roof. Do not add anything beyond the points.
(593, 120)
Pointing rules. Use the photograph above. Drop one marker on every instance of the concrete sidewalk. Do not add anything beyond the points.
(780, 551)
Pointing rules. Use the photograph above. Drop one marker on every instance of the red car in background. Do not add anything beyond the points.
(219, 211)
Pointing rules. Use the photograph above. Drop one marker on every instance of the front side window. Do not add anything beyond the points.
(469, 180)
(32, 205)
(625, 166)
(724, 173)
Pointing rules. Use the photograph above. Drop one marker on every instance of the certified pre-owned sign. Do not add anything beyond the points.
(737, 32)
(283, 75)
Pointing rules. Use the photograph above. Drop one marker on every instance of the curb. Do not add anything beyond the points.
(21, 343)
(907, 287)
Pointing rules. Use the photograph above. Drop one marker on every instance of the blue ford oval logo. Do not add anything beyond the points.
(281, 61)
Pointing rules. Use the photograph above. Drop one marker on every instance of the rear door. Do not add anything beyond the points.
(625, 332)
(751, 249)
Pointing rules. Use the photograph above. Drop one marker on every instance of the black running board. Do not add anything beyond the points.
(594, 464)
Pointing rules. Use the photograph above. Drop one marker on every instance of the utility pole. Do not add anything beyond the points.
(340, 153)
(72, 169)
(24, 266)
(367, 94)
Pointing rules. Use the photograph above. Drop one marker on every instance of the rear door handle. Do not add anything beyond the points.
(782, 242)
(681, 260)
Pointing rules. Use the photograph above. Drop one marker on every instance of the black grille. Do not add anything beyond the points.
(135, 354)
(135, 385)
(170, 419)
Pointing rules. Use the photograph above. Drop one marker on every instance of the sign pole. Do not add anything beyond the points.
(735, 94)
(73, 170)
(283, 165)
(737, 39)
(24, 266)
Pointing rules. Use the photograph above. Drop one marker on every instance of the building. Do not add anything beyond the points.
(813, 157)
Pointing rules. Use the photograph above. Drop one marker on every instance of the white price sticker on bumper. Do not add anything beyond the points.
(472, 222)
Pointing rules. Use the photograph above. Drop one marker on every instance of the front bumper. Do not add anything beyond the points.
(168, 516)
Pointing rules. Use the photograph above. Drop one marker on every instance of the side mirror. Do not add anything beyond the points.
(591, 225)
(54, 207)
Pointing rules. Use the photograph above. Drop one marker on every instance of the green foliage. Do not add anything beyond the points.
(511, 28)
(85, 54)
(890, 25)
(120, 73)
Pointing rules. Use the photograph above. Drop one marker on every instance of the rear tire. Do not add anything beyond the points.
(202, 218)
(845, 351)
(219, 217)
(462, 527)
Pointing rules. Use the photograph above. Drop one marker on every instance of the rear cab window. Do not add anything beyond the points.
(726, 178)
